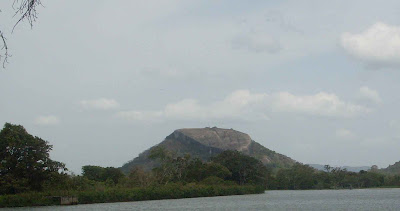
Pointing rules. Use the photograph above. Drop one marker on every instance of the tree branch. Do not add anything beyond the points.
(5, 48)
(27, 11)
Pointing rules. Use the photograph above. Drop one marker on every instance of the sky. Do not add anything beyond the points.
(102, 81)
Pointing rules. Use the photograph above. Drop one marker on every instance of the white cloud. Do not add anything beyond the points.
(100, 104)
(345, 134)
(321, 104)
(378, 46)
(244, 105)
(257, 42)
(47, 120)
(240, 104)
(370, 94)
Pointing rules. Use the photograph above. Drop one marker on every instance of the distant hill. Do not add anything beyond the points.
(205, 143)
(349, 168)
(392, 169)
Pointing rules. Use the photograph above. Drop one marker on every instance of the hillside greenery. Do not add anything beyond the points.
(392, 169)
(205, 143)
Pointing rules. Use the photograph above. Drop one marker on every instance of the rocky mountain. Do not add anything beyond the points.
(205, 143)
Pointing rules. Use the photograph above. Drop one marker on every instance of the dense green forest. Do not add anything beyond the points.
(28, 176)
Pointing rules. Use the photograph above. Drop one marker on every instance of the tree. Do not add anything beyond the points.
(244, 169)
(338, 175)
(165, 171)
(138, 177)
(298, 176)
(216, 170)
(25, 10)
(173, 168)
(101, 174)
(113, 174)
(93, 172)
(24, 161)
(197, 171)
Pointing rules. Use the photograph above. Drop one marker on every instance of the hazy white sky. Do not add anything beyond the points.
(104, 80)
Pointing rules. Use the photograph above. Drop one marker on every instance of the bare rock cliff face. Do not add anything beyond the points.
(226, 139)
(205, 143)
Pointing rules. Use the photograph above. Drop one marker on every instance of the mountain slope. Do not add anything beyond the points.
(205, 143)
(392, 169)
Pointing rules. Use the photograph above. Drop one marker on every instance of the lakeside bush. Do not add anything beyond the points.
(169, 191)
(303, 177)
(25, 199)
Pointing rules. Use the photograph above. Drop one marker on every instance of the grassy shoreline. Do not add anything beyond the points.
(172, 191)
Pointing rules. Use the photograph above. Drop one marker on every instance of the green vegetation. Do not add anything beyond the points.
(100, 174)
(245, 169)
(118, 194)
(205, 143)
(301, 177)
(231, 166)
(25, 163)
(170, 191)
(25, 199)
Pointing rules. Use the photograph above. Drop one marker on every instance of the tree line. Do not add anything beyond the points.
(301, 177)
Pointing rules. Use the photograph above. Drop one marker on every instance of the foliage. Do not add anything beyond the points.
(228, 165)
(138, 177)
(170, 191)
(297, 177)
(244, 169)
(25, 199)
(164, 173)
(198, 171)
(304, 177)
(25, 163)
(101, 174)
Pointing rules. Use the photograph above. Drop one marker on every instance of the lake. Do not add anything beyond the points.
(364, 199)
